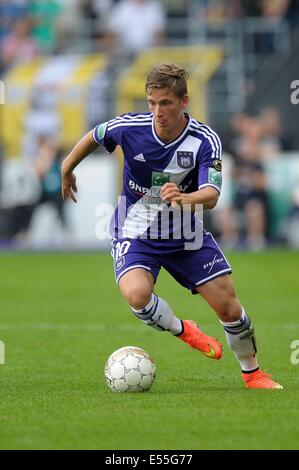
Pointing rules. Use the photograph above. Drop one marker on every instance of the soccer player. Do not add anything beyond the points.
(172, 164)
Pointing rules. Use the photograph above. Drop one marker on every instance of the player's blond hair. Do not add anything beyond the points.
(168, 76)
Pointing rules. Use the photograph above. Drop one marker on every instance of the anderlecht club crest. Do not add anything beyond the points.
(185, 159)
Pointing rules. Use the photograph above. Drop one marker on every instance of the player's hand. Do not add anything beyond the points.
(68, 186)
(170, 192)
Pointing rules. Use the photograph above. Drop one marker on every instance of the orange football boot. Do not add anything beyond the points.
(193, 336)
(260, 379)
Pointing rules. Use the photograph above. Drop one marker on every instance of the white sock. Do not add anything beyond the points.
(159, 315)
(241, 339)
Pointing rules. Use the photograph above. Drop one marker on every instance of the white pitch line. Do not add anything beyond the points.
(67, 327)
(103, 326)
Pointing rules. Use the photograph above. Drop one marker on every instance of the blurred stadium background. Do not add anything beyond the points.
(67, 65)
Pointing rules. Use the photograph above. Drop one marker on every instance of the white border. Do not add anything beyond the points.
(209, 184)
(132, 267)
(228, 270)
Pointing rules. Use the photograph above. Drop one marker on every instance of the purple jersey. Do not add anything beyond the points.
(192, 161)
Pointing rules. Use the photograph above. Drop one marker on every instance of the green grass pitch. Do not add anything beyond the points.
(61, 316)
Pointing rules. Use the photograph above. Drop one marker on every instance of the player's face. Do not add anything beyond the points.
(167, 109)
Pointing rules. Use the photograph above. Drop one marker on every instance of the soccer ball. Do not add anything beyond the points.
(130, 369)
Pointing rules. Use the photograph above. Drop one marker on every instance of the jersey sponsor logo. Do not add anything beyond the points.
(184, 159)
(137, 188)
(101, 130)
(152, 200)
(212, 263)
(150, 195)
(159, 179)
(140, 158)
(217, 164)
(214, 177)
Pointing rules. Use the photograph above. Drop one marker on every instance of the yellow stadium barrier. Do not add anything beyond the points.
(201, 61)
(71, 76)
(18, 85)
(73, 98)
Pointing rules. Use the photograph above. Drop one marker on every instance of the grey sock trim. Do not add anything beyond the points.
(146, 313)
(240, 327)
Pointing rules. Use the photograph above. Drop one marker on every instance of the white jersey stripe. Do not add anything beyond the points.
(214, 149)
(127, 117)
(215, 146)
(207, 128)
(123, 124)
(115, 121)
(211, 133)
(215, 136)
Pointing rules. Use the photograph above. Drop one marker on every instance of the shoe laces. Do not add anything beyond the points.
(265, 375)
(261, 374)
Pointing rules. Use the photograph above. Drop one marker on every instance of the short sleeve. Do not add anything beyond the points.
(210, 163)
(103, 136)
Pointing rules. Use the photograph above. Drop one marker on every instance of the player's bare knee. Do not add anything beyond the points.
(136, 287)
(136, 296)
(139, 300)
(230, 310)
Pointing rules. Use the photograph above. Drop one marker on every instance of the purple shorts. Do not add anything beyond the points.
(189, 268)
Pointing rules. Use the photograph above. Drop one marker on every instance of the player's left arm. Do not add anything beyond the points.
(207, 196)
(209, 177)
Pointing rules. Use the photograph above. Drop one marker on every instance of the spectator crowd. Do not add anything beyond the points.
(33, 27)
(121, 29)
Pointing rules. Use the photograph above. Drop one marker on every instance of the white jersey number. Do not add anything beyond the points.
(120, 249)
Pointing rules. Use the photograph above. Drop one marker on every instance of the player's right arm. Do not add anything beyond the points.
(82, 149)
